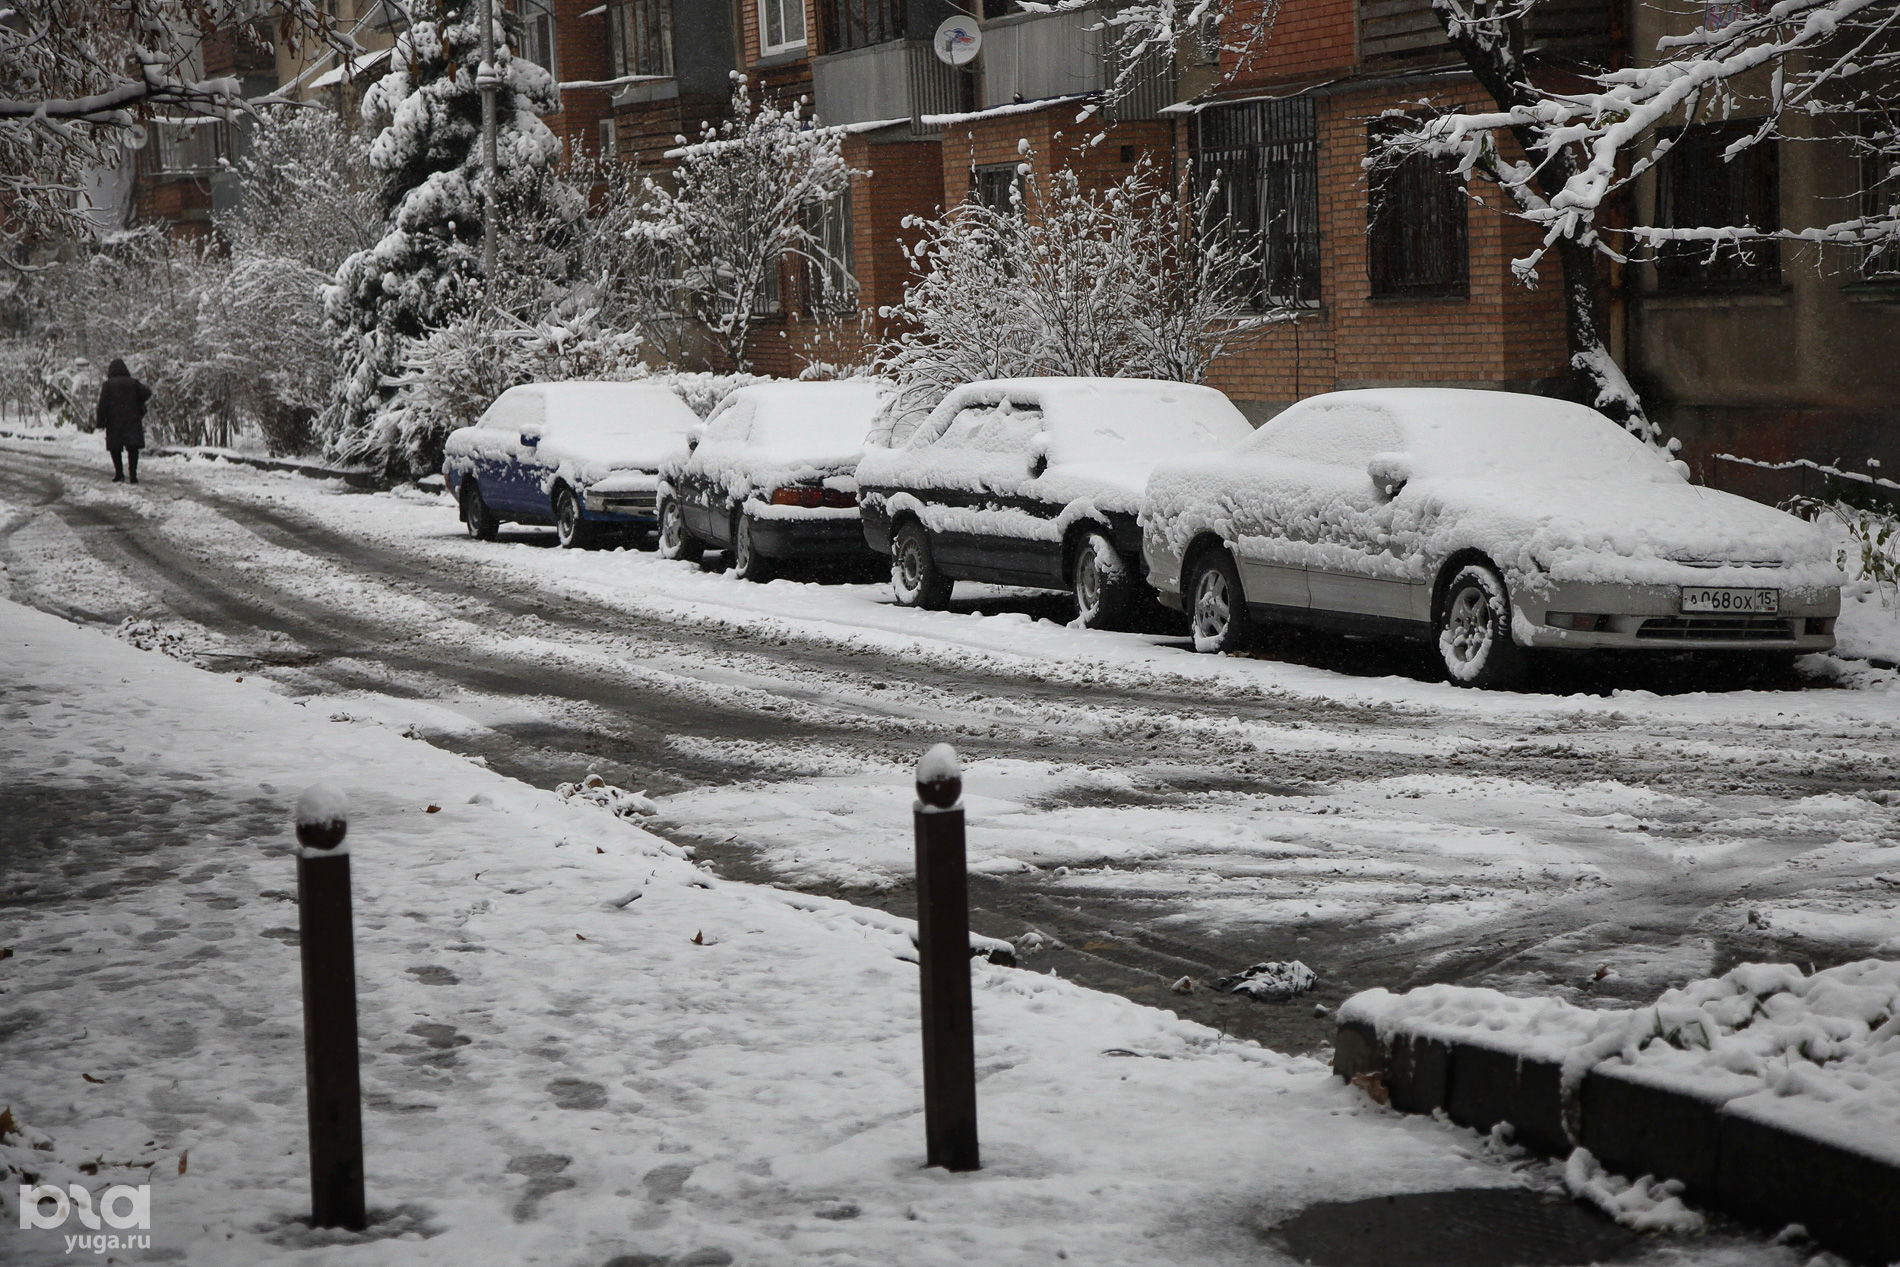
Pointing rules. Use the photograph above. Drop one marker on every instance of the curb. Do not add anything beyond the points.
(1759, 1173)
(355, 478)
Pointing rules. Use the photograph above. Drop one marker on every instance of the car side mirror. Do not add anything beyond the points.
(1038, 463)
(531, 436)
(693, 438)
(1390, 472)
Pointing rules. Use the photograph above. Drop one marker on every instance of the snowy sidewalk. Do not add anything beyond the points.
(708, 1073)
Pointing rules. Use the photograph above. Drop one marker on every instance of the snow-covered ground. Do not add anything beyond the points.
(577, 1046)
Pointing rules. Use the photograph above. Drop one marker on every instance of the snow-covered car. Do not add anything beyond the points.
(583, 456)
(1035, 482)
(771, 478)
(1488, 522)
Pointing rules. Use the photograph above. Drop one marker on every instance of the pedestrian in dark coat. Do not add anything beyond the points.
(121, 415)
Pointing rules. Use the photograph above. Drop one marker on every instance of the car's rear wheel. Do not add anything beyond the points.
(476, 517)
(1474, 631)
(747, 563)
(1217, 608)
(574, 532)
(674, 541)
(1103, 589)
(915, 580)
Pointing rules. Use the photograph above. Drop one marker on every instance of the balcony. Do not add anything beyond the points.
(1573, 30)
(901, 79)
(1035, 56)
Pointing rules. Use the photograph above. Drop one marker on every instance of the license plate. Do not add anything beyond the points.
(1738, 602)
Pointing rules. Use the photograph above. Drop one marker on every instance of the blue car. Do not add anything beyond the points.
(582, 456)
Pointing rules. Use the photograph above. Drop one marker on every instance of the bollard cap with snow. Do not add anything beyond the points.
(323, 819)
(940, 778)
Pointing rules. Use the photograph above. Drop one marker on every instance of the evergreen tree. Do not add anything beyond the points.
(426, 270)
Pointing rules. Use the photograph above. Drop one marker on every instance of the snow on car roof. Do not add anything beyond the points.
(1091, 419)
(582, 407)
(802, 420)
(1464, 433)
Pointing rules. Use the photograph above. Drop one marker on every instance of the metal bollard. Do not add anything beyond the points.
(332, 1084)
(943, 962)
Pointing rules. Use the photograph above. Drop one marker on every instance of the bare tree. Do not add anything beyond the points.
(742, 201)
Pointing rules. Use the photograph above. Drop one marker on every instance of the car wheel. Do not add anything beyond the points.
(747, 563)
(574, 532)
(674, 541)
(1217, 608)
(1474, 630)
(476, 517)
(1103, 589)
(915, 579)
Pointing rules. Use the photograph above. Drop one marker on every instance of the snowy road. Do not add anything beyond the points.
(1154, 813)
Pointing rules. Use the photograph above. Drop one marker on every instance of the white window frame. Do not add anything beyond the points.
(780, 8)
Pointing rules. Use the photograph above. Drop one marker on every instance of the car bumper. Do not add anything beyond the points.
(1650, 618)
(809, 538)
(621, 508)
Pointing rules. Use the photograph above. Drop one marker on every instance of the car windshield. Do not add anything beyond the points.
(808, 419)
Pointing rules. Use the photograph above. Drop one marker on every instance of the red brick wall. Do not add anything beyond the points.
(580, 53)
(1309, 41)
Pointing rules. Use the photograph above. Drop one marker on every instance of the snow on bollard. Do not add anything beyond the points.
(333, 1090)
(943, 964)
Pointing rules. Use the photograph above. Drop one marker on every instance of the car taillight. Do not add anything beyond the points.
(838, 499)
(798, 497)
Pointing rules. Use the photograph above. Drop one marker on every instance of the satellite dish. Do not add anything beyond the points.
(958, 40)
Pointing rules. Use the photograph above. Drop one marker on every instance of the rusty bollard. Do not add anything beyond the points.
(333, 1089)
(943, 962)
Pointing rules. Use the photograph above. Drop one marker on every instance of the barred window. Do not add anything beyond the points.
(192, 147)
(1699, 189)
(1415, 223)
(1259, 161)
(640, 37)
(1880, 193)
(991, 186)
(831, 284)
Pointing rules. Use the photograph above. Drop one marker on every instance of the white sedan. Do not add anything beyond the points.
(1488, 522)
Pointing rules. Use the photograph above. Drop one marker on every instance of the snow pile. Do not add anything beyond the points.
(1087, 444)
(1272, 982)
(1816, 1053)
(618, 801)
(1550, 491)
(1645, 1204)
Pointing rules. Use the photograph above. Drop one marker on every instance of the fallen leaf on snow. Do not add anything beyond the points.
(1373, 1084)
(95, 1081)
(433, 809)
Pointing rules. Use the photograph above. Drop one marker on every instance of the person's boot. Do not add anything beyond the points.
(132, 460)
(118, 468)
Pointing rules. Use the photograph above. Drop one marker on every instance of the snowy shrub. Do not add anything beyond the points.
(425, 270)
(742, 200)
(1870, 539)
(1066, 280)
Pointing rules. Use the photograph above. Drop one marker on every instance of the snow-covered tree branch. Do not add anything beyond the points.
(80, 78)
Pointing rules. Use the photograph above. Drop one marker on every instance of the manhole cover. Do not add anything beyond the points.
(1470, 1227)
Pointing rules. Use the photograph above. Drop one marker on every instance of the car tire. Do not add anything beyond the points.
(1474, 631)
(915, 580)
(573, 532)
(476, 517)
(1100, 581)
(672, 541)
(747, 563)
(1216, 605)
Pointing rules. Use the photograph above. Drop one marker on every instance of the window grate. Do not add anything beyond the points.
(1700, 189)
(1257, 166)
(1415, 223)
(850, 24)
(640, 37)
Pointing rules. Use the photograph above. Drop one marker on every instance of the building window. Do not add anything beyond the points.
(831, 285)
(191, 148)
(852, 24)
(1415, 223)
(992, 186)
(781, 25)
(609, 140)
(1700, 188)
(536, 41)
(1880, 194)
(1257, 167)
(640, 38)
